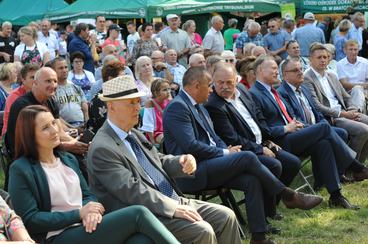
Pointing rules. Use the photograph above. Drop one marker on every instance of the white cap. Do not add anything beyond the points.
(171, 16)
(309, 16)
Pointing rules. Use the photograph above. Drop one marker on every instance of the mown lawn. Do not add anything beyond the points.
(321, 225)
(324, 225)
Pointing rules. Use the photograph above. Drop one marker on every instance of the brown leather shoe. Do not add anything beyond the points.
(303, 201)
(267, 241)
(362, 175)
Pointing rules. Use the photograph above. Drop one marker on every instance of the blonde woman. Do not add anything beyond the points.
(30, 50)
(8, 76)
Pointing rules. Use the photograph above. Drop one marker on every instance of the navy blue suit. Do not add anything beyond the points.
(288, 95)
(185, 132)
(330, 157)
(234, 130)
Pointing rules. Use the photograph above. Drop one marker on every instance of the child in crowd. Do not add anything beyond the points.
(153, 111)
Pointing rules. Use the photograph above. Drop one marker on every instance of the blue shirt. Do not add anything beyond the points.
(306, 35)
(243, 38)
(339, 43)
(78, 44)
(275, 41)
(356, 34)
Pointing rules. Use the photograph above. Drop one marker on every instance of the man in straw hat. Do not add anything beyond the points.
(125, 169)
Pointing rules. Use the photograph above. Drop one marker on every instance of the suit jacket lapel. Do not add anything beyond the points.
(269, 96)
(126, 152)
(317, 82)
(193, 110)
(294, 100)
(310, 101)
(337, 93)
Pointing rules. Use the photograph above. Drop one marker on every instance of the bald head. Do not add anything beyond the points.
(157, 56)
(110, 50)
(171, 57)
(258, 51)
(197, 60)
(45, 84)
(43, 71)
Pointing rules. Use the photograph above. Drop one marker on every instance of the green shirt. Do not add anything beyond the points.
(228, 36)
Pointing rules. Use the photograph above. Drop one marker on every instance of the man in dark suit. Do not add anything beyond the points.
(237, 121)
(329, 157)
(125, 169)
(307, 112)
(334, 102)
(301, 103)
(188, 129)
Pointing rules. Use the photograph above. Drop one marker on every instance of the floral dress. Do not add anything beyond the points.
(9, 222)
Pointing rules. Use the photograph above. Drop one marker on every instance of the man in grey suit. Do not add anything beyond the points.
(334, 102)
(125, 169)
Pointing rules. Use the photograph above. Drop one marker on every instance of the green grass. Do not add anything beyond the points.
(323, 225)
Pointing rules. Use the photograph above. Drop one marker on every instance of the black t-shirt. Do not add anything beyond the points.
(22, 102)
(7, 45)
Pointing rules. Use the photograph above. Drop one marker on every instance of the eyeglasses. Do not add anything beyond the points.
(272, 26)
(229, 60)
(294, 70)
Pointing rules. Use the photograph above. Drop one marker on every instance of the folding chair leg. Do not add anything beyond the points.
(235, 207)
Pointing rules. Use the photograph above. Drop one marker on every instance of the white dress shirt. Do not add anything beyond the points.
(243, 111)
(331, 96)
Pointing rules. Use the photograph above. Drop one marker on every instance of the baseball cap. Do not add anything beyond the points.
(171, 16)
(309, 16)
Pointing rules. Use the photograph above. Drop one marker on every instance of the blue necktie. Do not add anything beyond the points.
(205, 122)
(157, 177)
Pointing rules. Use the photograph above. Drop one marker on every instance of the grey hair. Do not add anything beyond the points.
(109, 58)
(187, 24)
(194, 57)
(215, 19)
(232, 22)
(6, 23)
(254, 25)
(357, 15)
(137, 65)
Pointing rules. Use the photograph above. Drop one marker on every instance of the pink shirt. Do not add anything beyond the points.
(116, 43)
(64, 186)
(20, 91)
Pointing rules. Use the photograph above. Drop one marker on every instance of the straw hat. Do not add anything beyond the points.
(122, 87)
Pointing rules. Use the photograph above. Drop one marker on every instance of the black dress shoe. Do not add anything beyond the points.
(362, 175)
(268, 241)
(277, 216)
(346, 180)
(273, 230)
(342, 202)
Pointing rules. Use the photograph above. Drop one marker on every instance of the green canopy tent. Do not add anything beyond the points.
(190, 7)
(333, 6)
(107, 8)
(21, 12)
(157, 8)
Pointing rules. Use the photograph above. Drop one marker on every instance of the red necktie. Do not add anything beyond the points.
(281, 105)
